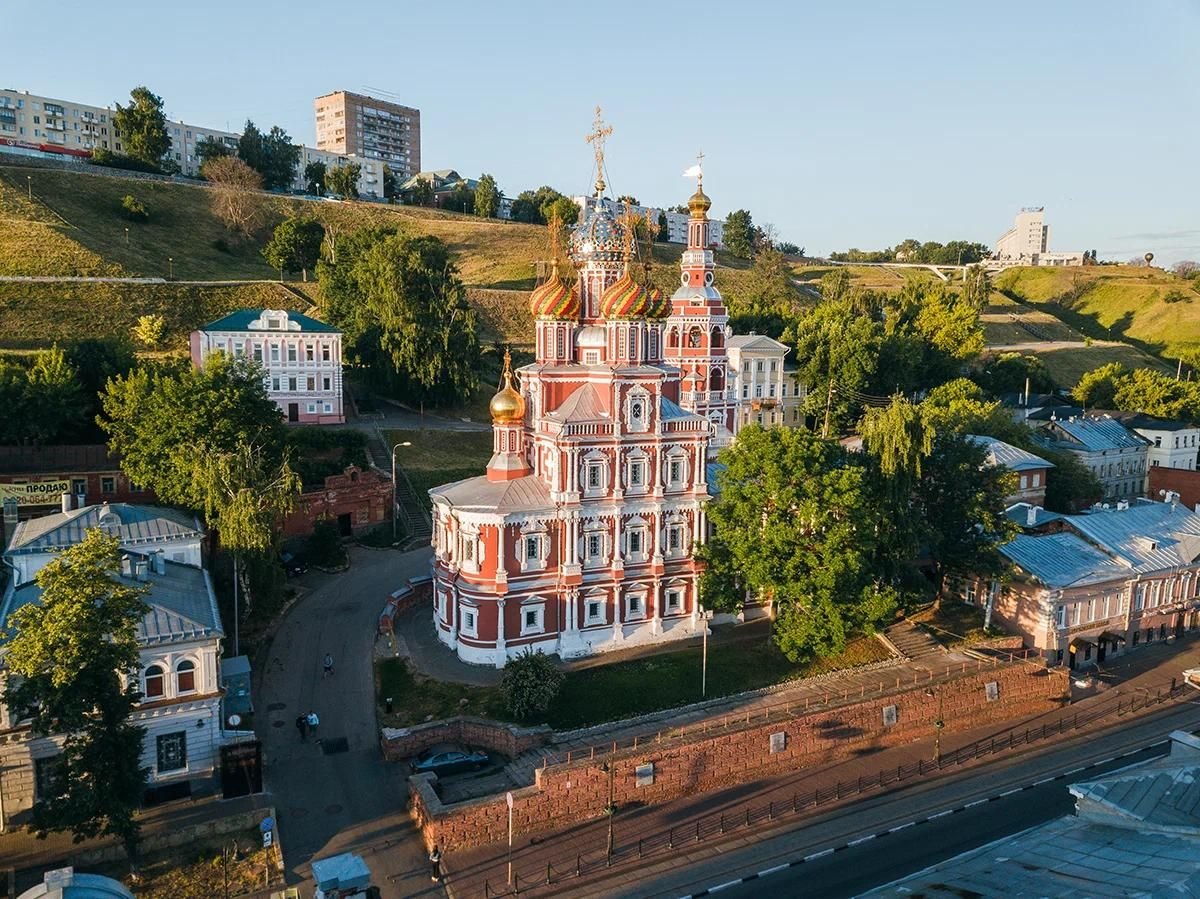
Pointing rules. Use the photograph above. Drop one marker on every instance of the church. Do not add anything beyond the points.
(579, 537)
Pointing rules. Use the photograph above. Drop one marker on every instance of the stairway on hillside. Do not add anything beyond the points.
(913, 642)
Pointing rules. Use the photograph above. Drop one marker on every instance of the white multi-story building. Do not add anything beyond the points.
(301, 359)
(1027, 242)
(180, 645)
(1116, 455)
(768, 393)
(677, 222)
(43, 126)
(1172, 444)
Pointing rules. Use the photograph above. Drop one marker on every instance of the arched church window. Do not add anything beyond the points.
(694, 338)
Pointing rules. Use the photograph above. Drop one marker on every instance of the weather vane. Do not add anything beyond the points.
(596, 138)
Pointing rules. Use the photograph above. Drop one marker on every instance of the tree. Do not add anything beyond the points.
(536, 207)
(461, 199)
(235, 193)
(150, 330)
(739, 233)
(154, 416)
(487, 197)
(1097, 389)
(421, 193)
(295, 244)
(250, 147)
(977, 288)
(1159, 394)
(795, 519)
(343, 180)
(766, 300)
(314, 177)
(143, 127)
(422, 324)
(1010, 372)
(280, 158)
(530, 684)
(55, 402)
(564, 209)
(390, 184)
(787, 248)
(134, 210)
(664, 228)
(1186, 268)
(628, 200)
(211, 148)
(66, 662)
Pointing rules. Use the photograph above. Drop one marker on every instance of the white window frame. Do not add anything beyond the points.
(538, 609)
(673, 600)
(600, 617)
(642, 611)
(469, 621)
(595, 559)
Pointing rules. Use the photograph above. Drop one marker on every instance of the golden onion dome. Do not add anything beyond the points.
(624, 299)
(699, 203)
(554, 299)
(507, 406)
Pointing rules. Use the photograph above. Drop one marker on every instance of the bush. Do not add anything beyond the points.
(1175, 296)
(134, 210)
(530, 684)
(116, 161)
(324, 546)
(221, 245)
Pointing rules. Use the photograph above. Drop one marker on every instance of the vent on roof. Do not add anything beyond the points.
(1147, 543)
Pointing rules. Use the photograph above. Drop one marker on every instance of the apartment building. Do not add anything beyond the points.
(1116, 455)
(370, 175)
(1027, 242)
(677, 222)
(301, 359)
(352, 124)
(768, 393)
(1031, 471)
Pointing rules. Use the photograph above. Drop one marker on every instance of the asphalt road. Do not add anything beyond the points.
(891, 836)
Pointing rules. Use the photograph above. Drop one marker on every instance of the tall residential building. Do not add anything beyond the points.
(356, 125)
(1027, 242)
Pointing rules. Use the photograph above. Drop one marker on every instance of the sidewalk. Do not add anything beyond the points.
(583, 845)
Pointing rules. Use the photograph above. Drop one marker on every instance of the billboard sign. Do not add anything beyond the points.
(38, 493)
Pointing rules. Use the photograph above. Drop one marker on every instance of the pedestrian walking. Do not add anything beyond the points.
(302, 726)
(328, 672)
(313, 722)
(435, 865)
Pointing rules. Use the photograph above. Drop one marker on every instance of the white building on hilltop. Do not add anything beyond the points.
(1027, 242)
(180, 638)
(677, 222)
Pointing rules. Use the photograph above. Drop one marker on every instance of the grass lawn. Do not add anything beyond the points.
(619, 690)
(954, 623)
(439, 457)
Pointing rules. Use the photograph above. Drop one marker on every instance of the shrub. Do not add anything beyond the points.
(529, 685)
(1174, 295)
(324, 546)
(221, 245)
(150, 330)
(117, 161)
(134, 210)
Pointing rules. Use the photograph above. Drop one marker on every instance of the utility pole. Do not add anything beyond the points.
(828, 403)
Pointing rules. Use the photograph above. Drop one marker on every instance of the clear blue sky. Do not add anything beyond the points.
(841, 123)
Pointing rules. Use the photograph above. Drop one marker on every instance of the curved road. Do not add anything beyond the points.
(332, 796)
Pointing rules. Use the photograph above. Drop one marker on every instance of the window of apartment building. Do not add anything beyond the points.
(153, 683)
(45, 771)
(275, 384)
(310, 353)
(291, 357)
(328, 407)
(1139, 597)
(185, 677)
(292, 384)
(78, 486)
(108, 484)
(770, 390)
(258, 353)
(325, 353)
(312, 408)
(172, 751)
(274, 352)
(312, 382)
(745, 391)
(327, 383)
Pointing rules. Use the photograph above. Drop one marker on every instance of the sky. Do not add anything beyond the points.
(842, 124)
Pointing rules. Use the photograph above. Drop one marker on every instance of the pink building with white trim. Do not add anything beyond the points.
(301, 359)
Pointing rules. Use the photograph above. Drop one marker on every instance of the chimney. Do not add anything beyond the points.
(139, 568)
(66, 502)
(1031, 514)
(1026, 402)
(80, 500)
(1122, 505)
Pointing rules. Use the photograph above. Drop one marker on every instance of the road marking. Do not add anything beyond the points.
(724, 886)
(860, 840)
(816, 855)
(948, 811)
(901, 826)
(976, 802)
(1044, 780)
(1074, 771)
(1010, 792)
(775, 870)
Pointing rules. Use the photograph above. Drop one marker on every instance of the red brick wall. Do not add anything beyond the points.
(577, 791)
(419, 591)
(363, 495)
(1185, 483)
(402, 743)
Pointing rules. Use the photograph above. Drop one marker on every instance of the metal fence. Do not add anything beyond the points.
(718, 825)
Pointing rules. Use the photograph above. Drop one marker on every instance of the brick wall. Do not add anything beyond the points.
(1185, 483)
(738, 752)
(399, 744)
(419, 590)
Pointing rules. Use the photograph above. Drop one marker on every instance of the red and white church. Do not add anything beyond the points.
(579, 537)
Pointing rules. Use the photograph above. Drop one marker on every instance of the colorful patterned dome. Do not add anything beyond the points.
(598, 238)
(554, 299)
(660, 303)
(625, 298)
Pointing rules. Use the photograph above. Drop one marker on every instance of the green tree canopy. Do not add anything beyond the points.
(143, 127)
(250, 147)
(739, 233)
(314, 177)
(66, 658)
(56, 403)
(343, 180)
(295, 245)
(280, 159)
(487, 197)
(530, 684)
(1097, 389)
(211, 148)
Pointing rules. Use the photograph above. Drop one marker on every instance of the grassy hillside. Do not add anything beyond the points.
(1150, 308)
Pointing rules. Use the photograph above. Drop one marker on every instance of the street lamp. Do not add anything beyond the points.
(394, 448)
(127, 238)
(705, 617)
(610, 809)
(170, 268)
(938, 724)
(29, 185)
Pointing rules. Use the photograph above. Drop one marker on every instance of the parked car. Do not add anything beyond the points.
(449, 761)
(293, 564)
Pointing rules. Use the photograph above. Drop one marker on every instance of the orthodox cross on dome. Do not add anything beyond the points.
(599, 133)
(696, 171)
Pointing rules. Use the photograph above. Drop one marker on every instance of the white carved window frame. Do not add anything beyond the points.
(598, 602)
(533, 608)
(673, 592)
(468, 615)
(637, 603)
(595, 459)
(641, 459)
(676, 455)
(597, 529)
(640, 527)
(637, 397)
(537, 532)
(470, 549)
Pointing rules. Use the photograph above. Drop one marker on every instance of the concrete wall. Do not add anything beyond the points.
(706, 762)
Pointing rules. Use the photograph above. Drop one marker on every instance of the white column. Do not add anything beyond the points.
(501, 564)
(501, 655)
(617, 555)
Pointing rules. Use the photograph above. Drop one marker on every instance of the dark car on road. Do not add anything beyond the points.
(450, 761)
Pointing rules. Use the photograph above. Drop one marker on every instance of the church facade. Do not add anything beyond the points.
(579, 537)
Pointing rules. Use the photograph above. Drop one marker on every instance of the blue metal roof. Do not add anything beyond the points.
(1011, 457)
(1096, 434)
(241, 319)
(1063, 560)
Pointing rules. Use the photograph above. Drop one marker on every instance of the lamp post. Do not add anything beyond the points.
(394, 448)
(705, 617)
(508, 798)
(29, 185)
(938, 724)
(170, 268)
(609, 809)
(127, 238)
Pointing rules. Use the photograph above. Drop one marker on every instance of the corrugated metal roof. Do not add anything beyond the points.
(131, 524)
(241, 319)
(1011, 457)
(1063, 560)
(527, 494)
(1097, 434)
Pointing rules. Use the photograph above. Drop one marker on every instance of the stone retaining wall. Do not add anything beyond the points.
(400, 743)
(418, 590)
(739, 751)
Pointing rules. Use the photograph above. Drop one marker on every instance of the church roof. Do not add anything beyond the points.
(669, 411)
(131, 524)
(527, 494)
(582, 405)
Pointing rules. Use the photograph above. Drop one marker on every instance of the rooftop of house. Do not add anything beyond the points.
(246, 319)
(1091, 433)
(1019, 512)
(1054, 413)
(1019, 400)
(1142, 422)
(524, 494)
(181, 604)
(19, 460)
(1011, 457)
(132, 525)
(1104, 545)
(754, 341)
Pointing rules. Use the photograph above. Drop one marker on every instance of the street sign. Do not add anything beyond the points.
(268, 839)
(266, 824)
(509, 799)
